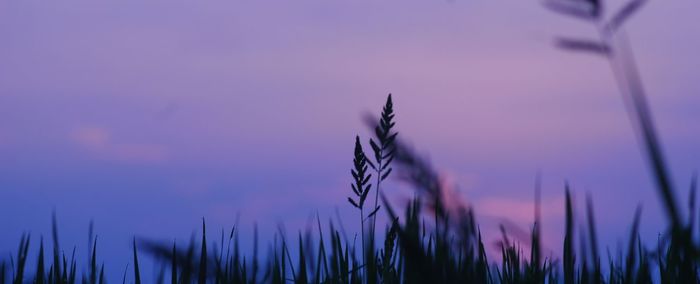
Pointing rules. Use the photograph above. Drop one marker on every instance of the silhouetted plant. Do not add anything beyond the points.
(383, 152)
(361, 187)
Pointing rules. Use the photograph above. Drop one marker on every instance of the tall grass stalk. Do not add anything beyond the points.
(383, 153)
(360, 187)
(614, 46)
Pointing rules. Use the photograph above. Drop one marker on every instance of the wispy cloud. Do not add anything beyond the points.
(100, 144)
(518, 210)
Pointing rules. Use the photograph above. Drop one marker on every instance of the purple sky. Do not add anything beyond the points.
(147, 115)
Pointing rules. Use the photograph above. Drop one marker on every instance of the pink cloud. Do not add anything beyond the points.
(517, 218)
(519, 211)
(99, 143)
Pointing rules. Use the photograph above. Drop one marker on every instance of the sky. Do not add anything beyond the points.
(147, 116)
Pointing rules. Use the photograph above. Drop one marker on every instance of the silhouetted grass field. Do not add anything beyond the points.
(433, 239)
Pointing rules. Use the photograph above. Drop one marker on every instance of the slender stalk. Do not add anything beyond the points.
(360, 187)
(376, 194)
(383, 152)
(362, 231)
(626, 75)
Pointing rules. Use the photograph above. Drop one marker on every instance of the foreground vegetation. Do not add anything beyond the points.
(436, 239)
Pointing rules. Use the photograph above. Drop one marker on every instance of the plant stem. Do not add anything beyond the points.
(630, 84)
(376, 196)
(362, 231)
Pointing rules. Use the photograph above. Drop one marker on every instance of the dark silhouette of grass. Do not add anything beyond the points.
(361, 187)
(383, 152)
(447, 249)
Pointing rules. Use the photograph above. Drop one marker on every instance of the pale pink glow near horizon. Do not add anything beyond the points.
(98, 142)
(137, 113)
